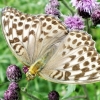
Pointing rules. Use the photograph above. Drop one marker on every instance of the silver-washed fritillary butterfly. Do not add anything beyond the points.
(43, 43)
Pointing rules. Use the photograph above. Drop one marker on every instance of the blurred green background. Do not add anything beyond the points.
(40, 87)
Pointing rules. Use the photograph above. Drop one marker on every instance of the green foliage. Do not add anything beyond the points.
(40, 87)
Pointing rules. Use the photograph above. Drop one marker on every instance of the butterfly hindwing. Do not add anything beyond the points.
(74, 63)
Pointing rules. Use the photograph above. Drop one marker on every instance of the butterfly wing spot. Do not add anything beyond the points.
(48, 19)
(69, 39)
(76, 67)
(98, 61)
(14, 40)
(98, 69)
(55, 31)
(67, 74)
(29, 19)
(85, 49)
(11, 16)
(14, 26)
(79, 43)
(81, 59)
(20, 24)
(74, 41)
(15, 20)
(66, 65)
(25, 39)
(86, 63)
(34, 25)
(49, 27)
(61, 27)
(22, 18)
(93, 76)
(44, 24)
(93, 59)
(41, 39)
(86, 43)
(84, 38)
(60, 75)
(10, 32)
(78, 35)
(79, 75)
(54, 22)
(27, 26)
(93, 66)
(89, 53)
(86, 69)
(63, 53)
(80, 52)
(19, 32)
(42, 18)
(72, 33)
(72, 57)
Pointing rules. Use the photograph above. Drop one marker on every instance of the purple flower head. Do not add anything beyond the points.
(13, 73)
(53, 95)
(14, 86)
(84, 5)
(11, 95)
(74, 22)
(49, 9)
(83, 13)
(54, 3)
(95, 16)
(25, 69)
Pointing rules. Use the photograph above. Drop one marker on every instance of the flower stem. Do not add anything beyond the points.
(87, 25)
(67, 7)
(86, 92)
(31, 96)
(77, 97)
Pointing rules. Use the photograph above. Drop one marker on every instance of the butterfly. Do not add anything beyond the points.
(44, 44)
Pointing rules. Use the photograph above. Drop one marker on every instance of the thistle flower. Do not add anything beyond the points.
(13, 73)
(11, 95)
(53, 95)
(54, 3)
(95, 16)
(84, 7)
(14, 86)
(49, 9)
(74, 22)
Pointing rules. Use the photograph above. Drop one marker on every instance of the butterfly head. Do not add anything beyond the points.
(30, 76)
(34, 69)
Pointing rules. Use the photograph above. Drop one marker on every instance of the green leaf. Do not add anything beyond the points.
(70, 89)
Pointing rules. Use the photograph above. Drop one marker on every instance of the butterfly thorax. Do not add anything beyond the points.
(34, 69)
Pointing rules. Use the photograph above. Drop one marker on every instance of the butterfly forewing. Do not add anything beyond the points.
(30, 37)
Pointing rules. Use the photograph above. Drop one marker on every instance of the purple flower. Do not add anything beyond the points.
(13, 73)
(25, 69)
(85, 6)
(74, 22)
(49, 9)
(53, 95)
(54, 3)
(14, 86)
(95, 16)
(11, 95)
